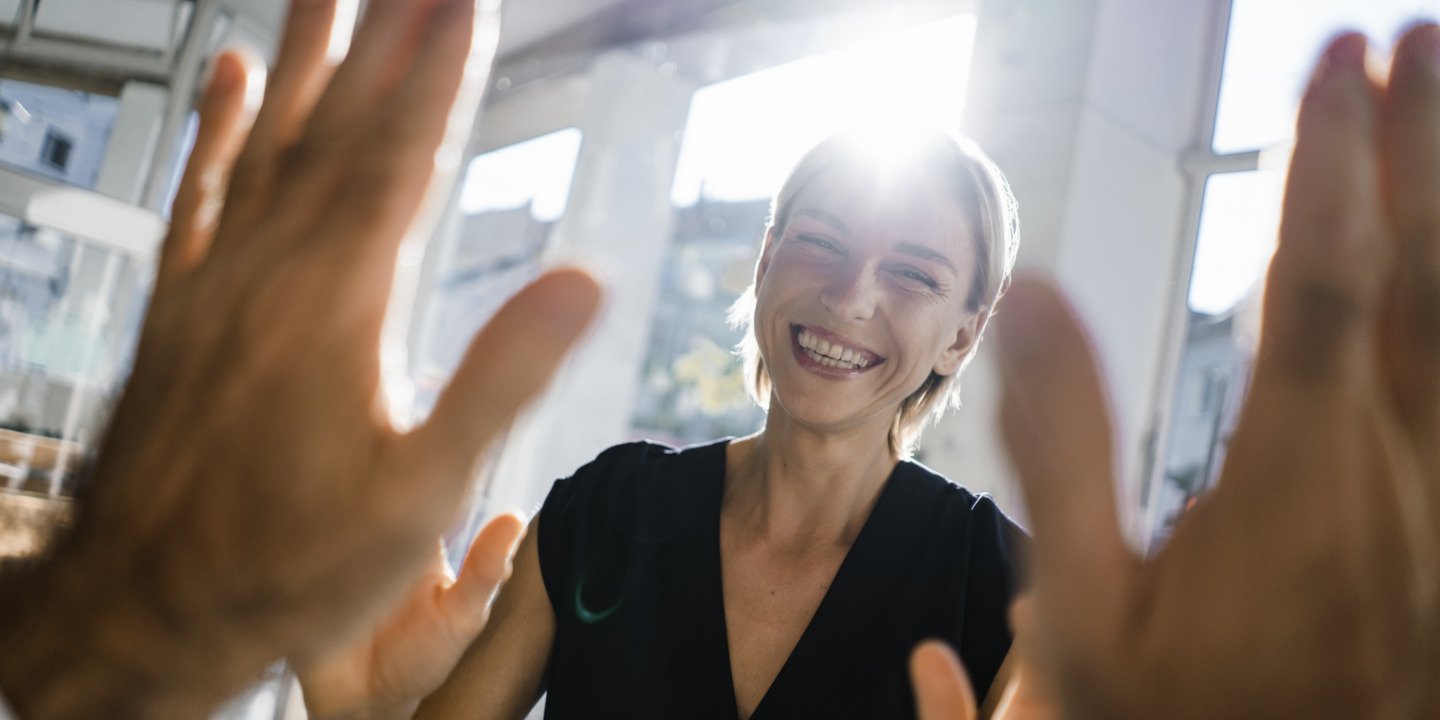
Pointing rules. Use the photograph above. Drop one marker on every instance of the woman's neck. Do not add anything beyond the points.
(799, 487)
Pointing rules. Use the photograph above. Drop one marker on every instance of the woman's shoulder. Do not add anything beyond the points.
(966, 530)
(928, 487)
(645, 465)
(638, 483)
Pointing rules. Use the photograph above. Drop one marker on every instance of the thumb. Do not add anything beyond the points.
(942, 691)
(1056, 424)
(507, 364)
(466, 604)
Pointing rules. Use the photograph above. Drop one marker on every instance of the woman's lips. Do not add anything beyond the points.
(821, 349)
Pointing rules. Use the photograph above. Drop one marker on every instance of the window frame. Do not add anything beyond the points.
(1196, 166)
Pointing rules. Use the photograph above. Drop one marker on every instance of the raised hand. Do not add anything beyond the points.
(252, 499)
(386, 673)
(1307, 585)
(943, 692)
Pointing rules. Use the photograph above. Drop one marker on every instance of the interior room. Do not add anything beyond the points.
(1146, 143)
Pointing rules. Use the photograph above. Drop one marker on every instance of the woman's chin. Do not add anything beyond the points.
(826, 415)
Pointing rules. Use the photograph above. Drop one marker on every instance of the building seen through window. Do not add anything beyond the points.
(57, 133)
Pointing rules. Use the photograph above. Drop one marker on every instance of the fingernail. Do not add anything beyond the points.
(1424, 42)
(1345, 55)
(224, 74)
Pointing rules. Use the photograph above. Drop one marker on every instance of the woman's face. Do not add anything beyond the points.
(859, 298)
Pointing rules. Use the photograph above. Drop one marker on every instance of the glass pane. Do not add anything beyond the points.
(70, 314)
(692, 387)
(534, 174)
(53, 132)
(1271, 48)
(510, 200)
(1238, 228)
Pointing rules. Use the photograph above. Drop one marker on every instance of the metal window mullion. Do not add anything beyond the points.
(184, 81)
(27, 22)
(1195, 176)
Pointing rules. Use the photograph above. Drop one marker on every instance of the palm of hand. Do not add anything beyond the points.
(412, 651)
(252, 498)
(1308, 583)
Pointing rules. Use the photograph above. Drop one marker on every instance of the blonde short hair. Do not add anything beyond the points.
(983, 196)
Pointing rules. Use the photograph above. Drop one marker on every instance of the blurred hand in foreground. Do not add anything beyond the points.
(387, 672)
(943, 691)
(251, 499)
(1307, 584)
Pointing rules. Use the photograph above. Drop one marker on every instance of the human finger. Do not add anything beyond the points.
(1056, 425)
(383, 47)
(301, 72)
(223, 121)
(1412, 166)
(1023, 700)
(507, 363)
(386, 184)
(1027, 696)
(942, 692)
(487, 564)
(1329, 272)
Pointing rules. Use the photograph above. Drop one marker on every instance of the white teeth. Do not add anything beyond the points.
(831, 354)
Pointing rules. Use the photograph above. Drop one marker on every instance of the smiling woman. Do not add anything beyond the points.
(792, 572)
(932, 195)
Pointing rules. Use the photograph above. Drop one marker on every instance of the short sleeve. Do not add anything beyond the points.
(567, 511)
(996, 549)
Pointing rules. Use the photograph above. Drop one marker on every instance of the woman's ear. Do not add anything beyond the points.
(766, 251)
(965, 337)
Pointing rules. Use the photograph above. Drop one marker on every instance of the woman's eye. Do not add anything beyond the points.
(919, 277)
(819, 241)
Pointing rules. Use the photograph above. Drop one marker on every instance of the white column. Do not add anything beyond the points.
(1088, 106)
(1126, 239)
(131, 149)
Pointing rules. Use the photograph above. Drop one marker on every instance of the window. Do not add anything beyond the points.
(70, 313)
(535, 174)
(55, 132)
(56, 150)
(1271, 47)
(509, 201)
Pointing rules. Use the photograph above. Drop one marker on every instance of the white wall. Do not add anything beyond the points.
(1088, 105)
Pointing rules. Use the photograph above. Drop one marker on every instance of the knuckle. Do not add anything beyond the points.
(1317, 321)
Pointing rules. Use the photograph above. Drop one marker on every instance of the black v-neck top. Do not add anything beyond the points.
(630, 555)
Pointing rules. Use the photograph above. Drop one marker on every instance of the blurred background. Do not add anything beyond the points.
(1145, 139)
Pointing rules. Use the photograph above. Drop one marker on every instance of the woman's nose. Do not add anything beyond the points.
(852, 293)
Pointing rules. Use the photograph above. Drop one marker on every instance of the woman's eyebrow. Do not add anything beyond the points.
(926, 253)
(824, 217)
